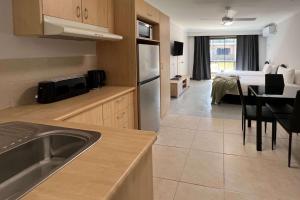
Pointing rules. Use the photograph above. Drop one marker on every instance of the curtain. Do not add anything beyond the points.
(247, 53)
(201, 69)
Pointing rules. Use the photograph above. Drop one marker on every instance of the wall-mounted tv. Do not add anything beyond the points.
(178, 49)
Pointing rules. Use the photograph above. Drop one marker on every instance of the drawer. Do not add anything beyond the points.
(121, 103)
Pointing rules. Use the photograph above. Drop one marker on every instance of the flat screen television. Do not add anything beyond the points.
(178, 48)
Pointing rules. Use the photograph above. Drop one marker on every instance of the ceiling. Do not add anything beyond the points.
(205, 15)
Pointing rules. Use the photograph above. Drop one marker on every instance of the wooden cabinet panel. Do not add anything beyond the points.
(117, 113)
(165, 63)
(151, 13)
(145, 10)
(95, 12)
(92, 116)
(66, 9)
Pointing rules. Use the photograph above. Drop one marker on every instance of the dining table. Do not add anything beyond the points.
(262, 95)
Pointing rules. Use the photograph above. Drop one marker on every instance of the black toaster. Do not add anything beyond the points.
(59, 89)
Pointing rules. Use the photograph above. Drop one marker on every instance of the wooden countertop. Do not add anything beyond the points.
(98, 172)
(64, 109)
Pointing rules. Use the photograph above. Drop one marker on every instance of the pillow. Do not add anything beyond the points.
(297, 77)
(274, 69)
(267, 69)
(288, 74)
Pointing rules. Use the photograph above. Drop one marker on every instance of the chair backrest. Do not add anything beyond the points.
(295, 117)
(274, 83)
(243, 101)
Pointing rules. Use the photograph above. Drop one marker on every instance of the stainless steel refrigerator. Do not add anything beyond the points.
(149, 87)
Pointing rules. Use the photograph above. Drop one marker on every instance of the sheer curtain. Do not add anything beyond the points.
(247, 53)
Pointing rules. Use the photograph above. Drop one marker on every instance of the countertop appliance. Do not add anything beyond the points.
(144, 30)
(61, 88)
(96, 78)
(149, 87)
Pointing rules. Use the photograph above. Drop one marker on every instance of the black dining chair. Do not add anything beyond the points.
(274, 84)
(249, 113)
(291, 123)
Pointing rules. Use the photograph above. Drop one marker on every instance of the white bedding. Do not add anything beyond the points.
(246, 78)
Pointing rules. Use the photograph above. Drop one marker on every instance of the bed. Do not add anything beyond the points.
(291, 77)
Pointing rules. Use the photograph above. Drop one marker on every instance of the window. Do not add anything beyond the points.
(222, 54)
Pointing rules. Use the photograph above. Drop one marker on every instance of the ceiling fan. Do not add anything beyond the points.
(229, 18)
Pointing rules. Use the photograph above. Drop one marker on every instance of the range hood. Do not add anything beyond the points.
(55, 27)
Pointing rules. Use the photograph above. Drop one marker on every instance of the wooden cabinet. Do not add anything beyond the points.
(92, 116)
(117, 113)
(28, 15)
(146, 11)
(164, 32)
(66, 9)
(95, 12)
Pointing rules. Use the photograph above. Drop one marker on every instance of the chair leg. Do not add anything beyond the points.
(249, 123)
(265, 127)
(290, 149)
(274, 134)
(244, 132)
(242, 122)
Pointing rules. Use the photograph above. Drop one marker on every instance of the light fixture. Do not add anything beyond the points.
(227, 21)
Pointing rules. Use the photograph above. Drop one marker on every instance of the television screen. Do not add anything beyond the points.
(178, 48)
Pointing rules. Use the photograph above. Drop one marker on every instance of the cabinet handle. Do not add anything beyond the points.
(86, 13)
(78, 11)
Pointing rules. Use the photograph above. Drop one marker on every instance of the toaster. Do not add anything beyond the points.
(59, 89)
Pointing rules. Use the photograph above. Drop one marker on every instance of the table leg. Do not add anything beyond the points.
(258, 125)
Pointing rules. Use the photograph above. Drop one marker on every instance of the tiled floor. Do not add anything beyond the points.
(199, 156)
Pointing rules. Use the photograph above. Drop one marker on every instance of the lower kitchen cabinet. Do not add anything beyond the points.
(116, 113)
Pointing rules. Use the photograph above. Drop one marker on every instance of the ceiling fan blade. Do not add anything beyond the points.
(244, 19)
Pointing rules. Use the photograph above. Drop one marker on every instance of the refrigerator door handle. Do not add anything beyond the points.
(148, 80)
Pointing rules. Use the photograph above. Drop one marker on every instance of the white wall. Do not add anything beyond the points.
(21, 47)
(178, 34)
(284, 46)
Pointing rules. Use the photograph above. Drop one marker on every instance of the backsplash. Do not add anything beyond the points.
(19, 77)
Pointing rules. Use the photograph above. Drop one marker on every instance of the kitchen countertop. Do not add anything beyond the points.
(66, 108)
(99, 171)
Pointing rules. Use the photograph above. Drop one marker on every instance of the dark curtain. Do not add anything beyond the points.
(247, 53)
(201, 70)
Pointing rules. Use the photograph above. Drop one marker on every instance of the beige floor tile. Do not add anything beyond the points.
(176, 137)
(210, 124)
(168, 162)
(187, 122)
(204, 168)
(212, 142)
(233, 144)
(261, 178)
(241, 196)
(169, 120)
(164, 189)
(195, 192)
(233, 126)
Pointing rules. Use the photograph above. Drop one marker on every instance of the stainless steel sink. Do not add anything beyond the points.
(29, 153)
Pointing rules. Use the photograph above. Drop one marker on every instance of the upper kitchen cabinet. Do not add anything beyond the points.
(90, 19)
(66, 9)
(147, 12)
(95, 12)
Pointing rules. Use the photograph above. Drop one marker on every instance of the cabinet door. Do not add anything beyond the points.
(165, 63)
(95, 12)
(92, 116)
(66, 9)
